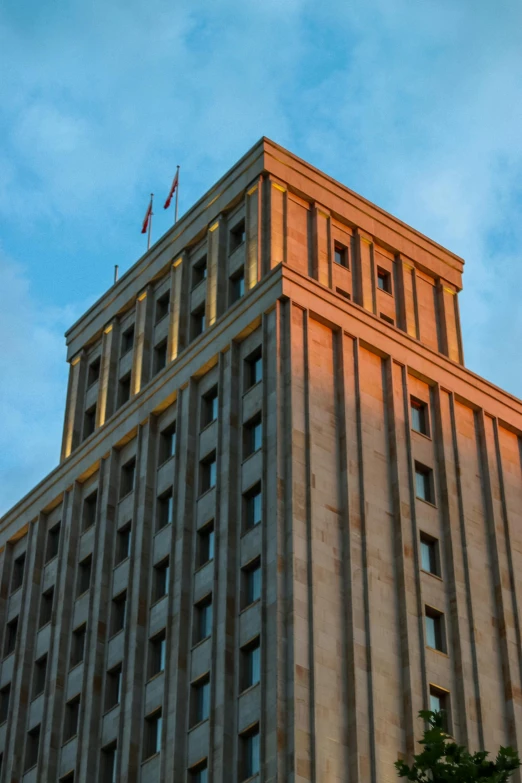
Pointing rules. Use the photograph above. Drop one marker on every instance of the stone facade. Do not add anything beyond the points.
(286, 518)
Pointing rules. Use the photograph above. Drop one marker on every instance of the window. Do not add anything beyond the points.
(113, 684)
(32, 747)
(89, 510)
(424, 483)
(108, 764)
(5, 693)
(17, 576)
(210, 407)
(152, 735)
(341, 255)
(78, 645)
(199, 271)
(199, 774)
(11, 630)
(68, 778)
(384, 281)
(89, 423)
(203, 624)
(198, 321)
(237, 286)
(84, 575)
(39, 677)
(162, 306)
(119, 612)
(165, 509)
(127, 340)
(208, 472)
(250, 753)
(439, 702)
(251, 583)
(124, 390)
(252, 436)
(167, 444)
(123, 543)
(206, 544)
(46, 607)
(252, 501)
(429, 554)
(157, 653)
(434, 629)
(93, 372)
(253, 369)
(53, 542)
(128, 472)
(72, 714)
(161, 580)
(200, 700)
(387, 319)
(419, 416)
(160, 356)
(250, 664)
(237, 236)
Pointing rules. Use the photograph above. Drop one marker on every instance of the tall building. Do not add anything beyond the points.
(286, 517)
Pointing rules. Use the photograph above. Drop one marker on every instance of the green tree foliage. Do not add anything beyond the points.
(443, 761)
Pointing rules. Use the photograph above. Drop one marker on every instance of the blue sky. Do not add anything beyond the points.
(415, 105)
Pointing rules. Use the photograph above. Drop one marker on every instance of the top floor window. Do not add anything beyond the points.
(127, 340)
(162, 306)
(93, 372)
(199, 271)
(384, 280)
(237, 235)
(341, 255)
(128, 473)
(17, 577)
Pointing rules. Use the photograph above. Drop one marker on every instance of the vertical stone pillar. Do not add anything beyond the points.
(73, 409)
(364, 289)
(142, 340)
(321, 245)
(174, 338)
(211, 310)
(275, 224)
(109, 364)
(406, 296)
(252, 224)
(449, 323)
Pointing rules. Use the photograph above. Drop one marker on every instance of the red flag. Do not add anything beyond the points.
(147, 218)
(172, 190)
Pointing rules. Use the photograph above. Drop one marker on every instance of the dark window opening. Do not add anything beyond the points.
(253, 507)
(119, 612)
(199, 271)
(200, 700)
(160, 356)
(203, 624)
(108, 764)
(72, 714)
(46, 607)
(40, 675)
(157, 653)
(152, 735)
(250, 664)
(439, 702)
(32, 746)
(250, 756)
(434, 629)
(162, 306)
(210, 407)
(384, 280)
(208, 472)
(89, 510)
(161, 580)
(237, 286)
(387, 318)
(429, 554)
(167, 444)
(124, 390)
(53, 542)
(123, 543)
(198, 321)
(11, 631)
(113, 685)
(78, 645)
(343, 293)
(424, 483)
(127, 340)
(419, 416)
(17, 576)
(84, 575)
(93, 372)
(252, 436)
(341, 255)
(165, 511)
(5, 695)
(253, 368)
(206, 544)
(237, 236)
(251, 583)
(89, 424)
(128, 473)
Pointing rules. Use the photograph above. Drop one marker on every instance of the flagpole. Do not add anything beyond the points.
(150, 221)
(177, 194)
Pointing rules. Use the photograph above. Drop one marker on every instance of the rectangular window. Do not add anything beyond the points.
(68, 778)
(17, 576)
(123, 543)
(89, 510)
(203, 619)
(250, 753)
(419, 416)
(252, 436)
(93, 372)
(429, 554)
(424, 483)
(127, 340)
(206, 544)
(237, 286)
(72, 715)
(440, 702)
(199, 271)
(119, 612)
(157, 653)
(11, 630)
(253, 368)
(210, 407)
(113, 684)
(89, 422)
(199, 774)
(152, 735)
(252, 502)
(384, 281)
(128, 473)
(160, 356)
(167, 443)
(5, 694)
(78, 645)
(108, 764)
(251, 583)
(32, 747)
(198, 321)
(46, 607)
(161, 580)
(124, 390)
(165, 511)
(84, 575)
(200, 700)
(434, 629)
(39, 676)
(53, 542)
(237, 236)
(162, 306)
(208, 472)
(341, 255)
(250, 664)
